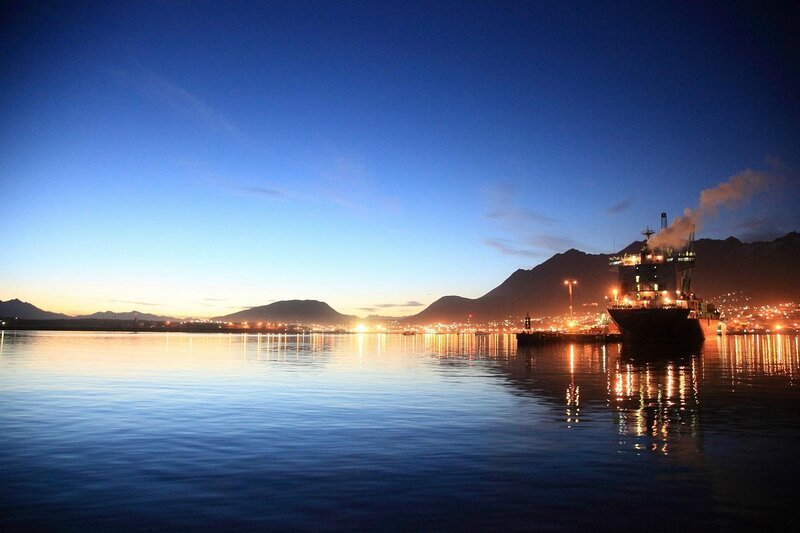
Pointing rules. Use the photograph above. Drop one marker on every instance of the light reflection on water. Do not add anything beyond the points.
(393, 431)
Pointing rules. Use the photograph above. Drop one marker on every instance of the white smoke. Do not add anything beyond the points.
(739, 188)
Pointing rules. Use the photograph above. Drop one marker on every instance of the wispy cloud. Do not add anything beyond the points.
(528, 233)
(347, 181)
(153, 85)
(410, 303)
(266, 192)
(131, 302)
(506, 248)
(247, 306)
(232, 185)
(501, 207)
(620, 206)
(552, 243)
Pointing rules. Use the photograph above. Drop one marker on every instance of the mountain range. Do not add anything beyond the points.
(127, 315)
(769, 272)
(27, 311)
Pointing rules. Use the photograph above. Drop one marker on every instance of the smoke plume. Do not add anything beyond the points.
(739, 188)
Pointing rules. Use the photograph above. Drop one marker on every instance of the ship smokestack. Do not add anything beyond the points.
(663, 220)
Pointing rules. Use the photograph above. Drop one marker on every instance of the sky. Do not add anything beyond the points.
(196, 158)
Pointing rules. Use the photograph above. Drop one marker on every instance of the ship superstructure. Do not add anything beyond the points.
(654, 300)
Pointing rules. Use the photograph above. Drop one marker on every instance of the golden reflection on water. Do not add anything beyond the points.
(658, 399)
(655, 399)
(775, 355)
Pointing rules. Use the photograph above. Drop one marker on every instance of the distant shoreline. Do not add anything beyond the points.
(141, 326)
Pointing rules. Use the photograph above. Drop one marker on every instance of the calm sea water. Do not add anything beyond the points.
(165, 431)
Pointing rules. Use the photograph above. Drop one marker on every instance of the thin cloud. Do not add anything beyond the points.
(521, 215)
(132, 302)
(528, 233)
(231, 185)
(346, 181)
(501, 207)
(368, 309)
(410, 303)
(505, 248)
(152, 85)
(266, 192)
(553, 243)
(246, 306)
(620, 207)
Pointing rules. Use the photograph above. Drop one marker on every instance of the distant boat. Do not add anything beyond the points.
(409, 333)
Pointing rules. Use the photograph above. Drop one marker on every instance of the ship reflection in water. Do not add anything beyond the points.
(652, 399)
(394, 432)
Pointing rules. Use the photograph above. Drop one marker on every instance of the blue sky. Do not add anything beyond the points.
(194, 158)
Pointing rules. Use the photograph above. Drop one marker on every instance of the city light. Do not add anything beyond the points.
(570, 283)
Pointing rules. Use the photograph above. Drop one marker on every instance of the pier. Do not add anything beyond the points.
(533, 338)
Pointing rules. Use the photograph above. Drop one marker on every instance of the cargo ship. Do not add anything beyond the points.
(654, 301)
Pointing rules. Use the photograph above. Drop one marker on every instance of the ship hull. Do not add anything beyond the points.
(661, 325)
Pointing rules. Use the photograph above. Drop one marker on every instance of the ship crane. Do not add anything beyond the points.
(686, 274)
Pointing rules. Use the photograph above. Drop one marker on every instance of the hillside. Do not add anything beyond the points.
(539, 291)
(292, 312)
(24, 310)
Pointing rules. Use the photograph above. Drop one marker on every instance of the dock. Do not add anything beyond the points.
(534, 338)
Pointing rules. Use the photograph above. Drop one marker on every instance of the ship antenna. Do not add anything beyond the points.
(647, 232)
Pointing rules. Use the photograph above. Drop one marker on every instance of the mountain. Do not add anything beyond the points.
(292, 312)
(129, 315)
(768, 271)
(539, 291)
(26, 311)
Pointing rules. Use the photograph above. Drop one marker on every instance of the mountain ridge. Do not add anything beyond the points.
(125, 315)
(291, 312)
(17, 308)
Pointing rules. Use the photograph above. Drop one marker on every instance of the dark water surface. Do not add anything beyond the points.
(165, 431)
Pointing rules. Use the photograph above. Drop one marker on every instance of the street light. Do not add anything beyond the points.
(569, 283)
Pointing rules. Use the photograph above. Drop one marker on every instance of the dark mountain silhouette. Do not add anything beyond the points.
(768, 271)
(292, 312)
(540, 291)
(127, 315)
(24, 310)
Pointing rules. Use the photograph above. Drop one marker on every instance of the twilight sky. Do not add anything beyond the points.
(194, 158)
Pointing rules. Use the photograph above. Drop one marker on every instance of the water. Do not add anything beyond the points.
(166, 431)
